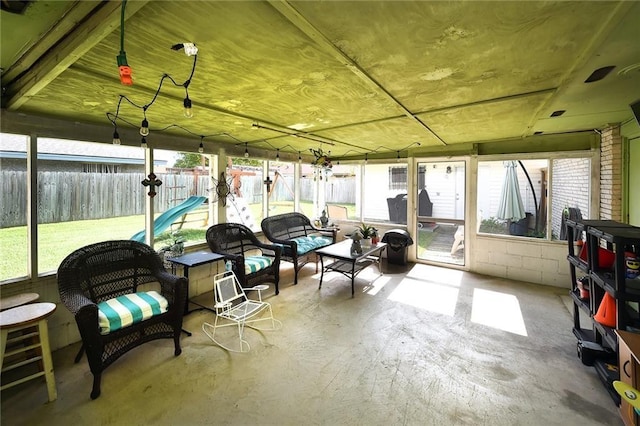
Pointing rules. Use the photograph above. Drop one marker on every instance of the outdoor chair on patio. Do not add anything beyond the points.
(253, 262)
(121, 297)
(234, 308)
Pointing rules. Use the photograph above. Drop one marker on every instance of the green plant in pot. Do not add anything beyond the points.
(368, 232)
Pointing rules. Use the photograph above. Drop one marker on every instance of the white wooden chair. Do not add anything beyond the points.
(234, 308)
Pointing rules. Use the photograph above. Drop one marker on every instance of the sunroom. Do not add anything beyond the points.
(477, 128)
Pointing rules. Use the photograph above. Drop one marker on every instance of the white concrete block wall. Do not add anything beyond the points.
(539, 262)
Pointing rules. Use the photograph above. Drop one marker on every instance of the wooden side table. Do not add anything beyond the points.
(20, 318)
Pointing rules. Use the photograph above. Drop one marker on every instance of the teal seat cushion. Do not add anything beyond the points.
(123, 311)
(256, 263)
(311, 242)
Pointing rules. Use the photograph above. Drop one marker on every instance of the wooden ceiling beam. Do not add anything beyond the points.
(293, 16)
(102, 22)
(72, 17)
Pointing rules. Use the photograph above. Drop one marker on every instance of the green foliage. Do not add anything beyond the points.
(367, 231)
(169, 238)
(241, 161)
(493, 226)
(189, 160)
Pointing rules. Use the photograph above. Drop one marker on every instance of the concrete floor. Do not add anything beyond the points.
(427, 346)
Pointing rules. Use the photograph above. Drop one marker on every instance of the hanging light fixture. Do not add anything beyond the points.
(116, 137)
(187, 107)
(143, 142)
(123, 67)
(246, 151)
(144, 127)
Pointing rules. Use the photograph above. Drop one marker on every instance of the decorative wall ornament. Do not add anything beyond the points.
(152, 181)
(268, 182)
(222, 190)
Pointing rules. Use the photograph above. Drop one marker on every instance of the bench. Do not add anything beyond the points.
(298, 237)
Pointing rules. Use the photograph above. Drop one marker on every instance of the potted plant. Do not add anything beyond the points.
(368, 232)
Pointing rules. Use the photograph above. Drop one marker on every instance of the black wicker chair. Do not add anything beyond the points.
(240, 245)
(104, 271)
(287, 229)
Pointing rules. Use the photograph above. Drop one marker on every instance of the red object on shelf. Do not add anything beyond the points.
(584, 291)
(605, 257)
(606, 314)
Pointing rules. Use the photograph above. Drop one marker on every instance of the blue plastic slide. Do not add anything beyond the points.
(165, 220)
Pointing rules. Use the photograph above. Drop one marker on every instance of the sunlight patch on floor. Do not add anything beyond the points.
(498, 310)
(376, 285)
(435, 274)
(433, 297)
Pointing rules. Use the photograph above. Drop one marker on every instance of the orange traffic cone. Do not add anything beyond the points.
(606, 314)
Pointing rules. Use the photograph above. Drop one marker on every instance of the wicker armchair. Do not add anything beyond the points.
(253, 262)
(295, 233)
(116, 269)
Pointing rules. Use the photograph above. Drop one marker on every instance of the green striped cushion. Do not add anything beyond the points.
(121, 312)
(256, 263)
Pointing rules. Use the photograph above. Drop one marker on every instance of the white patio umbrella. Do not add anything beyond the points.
(510, 207)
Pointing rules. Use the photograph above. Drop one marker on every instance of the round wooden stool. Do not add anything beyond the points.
(16, 319)
(17, 300)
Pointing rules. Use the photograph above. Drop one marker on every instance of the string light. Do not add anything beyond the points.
(366, 158)
(201, 148)
(299, 157)
(143, 143)
(144, 127)
(187, 107)
(116, 138)
(190, 50)
(278, 154)
(398, 157)
(246, 151)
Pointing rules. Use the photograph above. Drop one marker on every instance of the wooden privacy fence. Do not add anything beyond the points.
(71, 196)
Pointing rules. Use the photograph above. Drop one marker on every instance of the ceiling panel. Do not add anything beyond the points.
(372, 76)
(484, 122)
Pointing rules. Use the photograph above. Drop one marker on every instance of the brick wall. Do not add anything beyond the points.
(570, 188)
(611, 174)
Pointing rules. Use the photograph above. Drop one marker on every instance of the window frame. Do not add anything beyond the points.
(594, 189)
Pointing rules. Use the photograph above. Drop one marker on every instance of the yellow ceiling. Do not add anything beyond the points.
(360, 76)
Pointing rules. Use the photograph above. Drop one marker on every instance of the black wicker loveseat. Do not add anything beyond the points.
(253, 262)
(115, 272)
(298, 237)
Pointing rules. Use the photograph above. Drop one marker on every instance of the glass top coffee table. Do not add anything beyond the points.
(349, 264)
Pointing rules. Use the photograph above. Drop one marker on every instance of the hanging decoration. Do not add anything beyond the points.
(152, 181)
(321, 163)
(268, 182)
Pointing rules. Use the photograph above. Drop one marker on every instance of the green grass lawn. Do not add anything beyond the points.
(57, 240)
